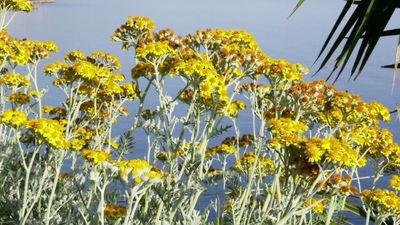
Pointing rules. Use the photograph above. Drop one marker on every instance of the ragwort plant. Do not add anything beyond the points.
(298, 165)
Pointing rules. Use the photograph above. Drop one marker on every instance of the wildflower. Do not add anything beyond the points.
(39, 50)
(85, 70)
(317, 206)
(394, 182)
(16, 5)
(221, 149)
(15, 80)
(133, 28)
(35, 94)
(114, 211)
(74, 56)
(245, 163)
(140, 171)
(232, 109)
(315, 149)
(76, 144)
(55, 68)
(340, 153)
(96, 157)
(84, 132)
(196, 68)
(386, 201)
(105, 60)
(154, 50)
(48, 131)
(379, 111)
(282, 70)
(286, 127)
(19, 98)
(13, 118)
(130, 90)
(54, 110)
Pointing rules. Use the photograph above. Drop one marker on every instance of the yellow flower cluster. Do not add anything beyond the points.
(13, 118)
(220, 150)
(312, 97)
(281, 70)
(344, 108)
(134, 28)
(341, 154)
(394, 182)
(317, 206)
(58, 111)
(16, 5)
(39, 50)
(96, 72)
(12, 50)
(48, 131)
(285, 127)
(377, 142)
(96, 157)
(140, 171)
(19, 98)
(76, 144)
(232, 109)
(153, 50)
(234, 53)
(14, 80)
(114, 211)
(385, 201)
(244, 141)
(105, 60)
(378, 111)
(74, 56)
(196, 68)
(245, 164)
(21, 52)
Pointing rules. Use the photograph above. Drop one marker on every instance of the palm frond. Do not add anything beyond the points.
(359, 35)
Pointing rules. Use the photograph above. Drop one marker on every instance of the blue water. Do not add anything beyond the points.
(87, 25)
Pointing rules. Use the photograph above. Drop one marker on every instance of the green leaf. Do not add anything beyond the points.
(299, 3)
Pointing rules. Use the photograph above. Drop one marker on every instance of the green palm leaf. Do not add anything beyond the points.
(366, 24)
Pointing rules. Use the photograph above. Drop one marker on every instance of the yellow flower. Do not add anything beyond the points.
(140, 171)
(394, 182)
(85, 70)
(154, 50)
(16, 5)
(49, 131)
(341, 153)
(131, 30)
(55, 68)
(96, 157)
(379, 111)
(13, 118)
(35, 94)
(386, 201)
(74, 56)
(105, 60)
(220, 149)
(317, 206)
(315, 149)
(281, 69)
(246, 162)
(130, 90)
(285, 127)
(76, 144)
(19, 98)
(114, 211)
(15, 80)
